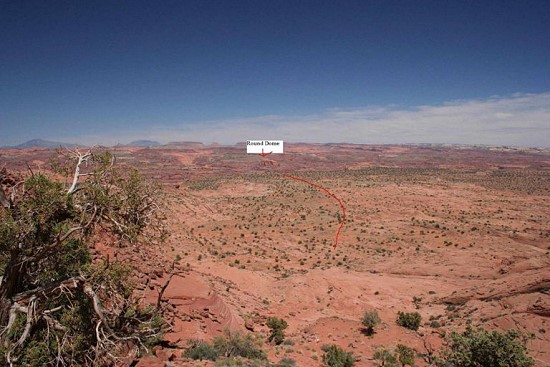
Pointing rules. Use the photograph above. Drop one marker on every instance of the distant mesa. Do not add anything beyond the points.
(184, 145)
(143, 143)
(40, 143)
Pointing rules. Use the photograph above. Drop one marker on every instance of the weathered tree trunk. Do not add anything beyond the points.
(4, 202)
(10, 285)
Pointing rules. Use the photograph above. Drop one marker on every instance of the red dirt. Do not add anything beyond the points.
(464, 229)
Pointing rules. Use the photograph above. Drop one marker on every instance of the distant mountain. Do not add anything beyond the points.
(143, 143)
(184, 145)
(40, 143)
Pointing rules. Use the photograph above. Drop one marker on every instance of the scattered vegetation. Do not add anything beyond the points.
(401, 356)
(231, 345)
(201, 350)
(409, 320)
(286, 362)
(236, 243)
(243, 362)
(479, 347)
(385, 358)
(370, 320)
(405, 355)
(334, 356)
(276, 327)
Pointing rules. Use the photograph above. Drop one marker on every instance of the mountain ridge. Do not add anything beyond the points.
(42, 143)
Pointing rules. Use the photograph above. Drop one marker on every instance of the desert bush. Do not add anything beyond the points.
(334, 356)
(385, 358)
(239, 362)
(276, 327)
(370, 320)
(479, 347)
(286, 362)
(201, 350)
(232, 344)
(235, 344)
(409, 320)
(435, 324)
(229, 362)
(405, 355)
(402, 355)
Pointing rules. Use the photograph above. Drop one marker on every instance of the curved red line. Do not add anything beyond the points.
(330, 194)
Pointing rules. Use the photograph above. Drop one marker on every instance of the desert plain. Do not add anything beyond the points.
(459, 234)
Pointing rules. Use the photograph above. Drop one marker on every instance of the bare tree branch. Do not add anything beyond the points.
(16, 307)
(161, 292)
(29, 323)
(81, 158)
(14, 190)
(97, 307)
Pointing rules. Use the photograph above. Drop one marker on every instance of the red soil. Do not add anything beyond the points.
(464, 230)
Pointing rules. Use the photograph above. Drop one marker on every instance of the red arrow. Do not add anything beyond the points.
(264, 154)
(333, 196)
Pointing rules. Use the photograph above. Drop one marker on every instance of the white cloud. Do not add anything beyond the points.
(519, 119)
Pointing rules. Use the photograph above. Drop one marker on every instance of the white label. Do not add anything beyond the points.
(264, 146)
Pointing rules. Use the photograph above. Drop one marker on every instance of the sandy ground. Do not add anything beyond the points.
(459, 235)
(470, 253)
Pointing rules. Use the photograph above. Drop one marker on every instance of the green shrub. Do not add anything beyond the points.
(201, 350)
(286, 362)
(435, 324)
(243, 362)
(239, 362)
(409, 320)
(370, 320)
(229, 362)
(385, 358)
(276, 327)
(335, 356)
(230, 345)
(479, 347)
(405, 355)
(235, 344)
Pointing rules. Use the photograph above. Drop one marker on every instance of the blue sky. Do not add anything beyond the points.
(475, 72)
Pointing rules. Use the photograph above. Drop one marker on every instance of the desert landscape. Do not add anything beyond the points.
(275, 183)
(457, 234)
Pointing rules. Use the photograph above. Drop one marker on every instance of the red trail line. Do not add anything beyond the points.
(333, 196)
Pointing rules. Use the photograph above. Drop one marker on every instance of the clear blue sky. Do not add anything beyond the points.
(107, 71)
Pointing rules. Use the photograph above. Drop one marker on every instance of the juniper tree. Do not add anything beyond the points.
(276, 327)
(57, 306)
